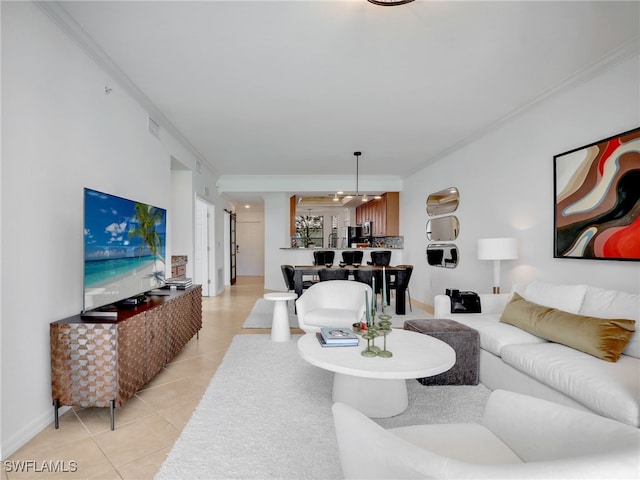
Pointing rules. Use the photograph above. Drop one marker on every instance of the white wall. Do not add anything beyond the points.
(60, 133)
(505, 180)
(276, 236)
(181, 214)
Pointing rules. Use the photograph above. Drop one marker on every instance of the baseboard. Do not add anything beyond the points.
(24, 435)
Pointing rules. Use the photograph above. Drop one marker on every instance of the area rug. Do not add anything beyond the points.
(262, 314)
(267, 414)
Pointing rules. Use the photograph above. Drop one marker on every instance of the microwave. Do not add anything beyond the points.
(367, 228)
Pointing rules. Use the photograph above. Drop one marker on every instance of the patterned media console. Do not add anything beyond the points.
(101, 363)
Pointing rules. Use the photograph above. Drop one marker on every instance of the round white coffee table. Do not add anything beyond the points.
(376, 386)
(280, 331)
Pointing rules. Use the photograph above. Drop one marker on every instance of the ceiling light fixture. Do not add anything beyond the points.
(365, 198)
(357, 154)
(389, 3)
(349, 196)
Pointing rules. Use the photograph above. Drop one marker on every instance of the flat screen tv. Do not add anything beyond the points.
(124, 249)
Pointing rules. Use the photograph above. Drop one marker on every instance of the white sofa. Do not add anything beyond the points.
(513, 359)
(332, 303)
(519, 437)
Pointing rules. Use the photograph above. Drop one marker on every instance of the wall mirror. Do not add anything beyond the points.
(443, 229)
(442, 255)
(444, 201)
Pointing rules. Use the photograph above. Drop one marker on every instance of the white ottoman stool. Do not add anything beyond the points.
(280, 331)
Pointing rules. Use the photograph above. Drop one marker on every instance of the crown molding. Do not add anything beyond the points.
(608, 61)
(57, 13)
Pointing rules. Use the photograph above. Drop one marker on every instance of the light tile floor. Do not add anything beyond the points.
(150, 422)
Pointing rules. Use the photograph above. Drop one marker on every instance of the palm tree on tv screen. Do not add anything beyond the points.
(147, 217)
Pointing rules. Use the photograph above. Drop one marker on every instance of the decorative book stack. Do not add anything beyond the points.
(180, 283)
(337, 337)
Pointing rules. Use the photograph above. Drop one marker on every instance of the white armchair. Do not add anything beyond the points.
(332, 303)
(520, 437)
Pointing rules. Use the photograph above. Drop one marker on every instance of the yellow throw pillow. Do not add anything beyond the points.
(600, 337)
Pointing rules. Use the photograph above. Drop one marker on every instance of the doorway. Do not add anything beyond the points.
(250, 247)
(204, 262)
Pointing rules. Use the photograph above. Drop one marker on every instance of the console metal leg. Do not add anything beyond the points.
(56, 418)
(113, 413)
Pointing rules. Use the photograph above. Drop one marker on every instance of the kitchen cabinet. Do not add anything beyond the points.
(384, 213)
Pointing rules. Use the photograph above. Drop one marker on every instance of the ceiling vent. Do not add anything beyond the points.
(153, 127)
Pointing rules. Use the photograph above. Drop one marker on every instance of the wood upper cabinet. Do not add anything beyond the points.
(292, 216)
(384, 213)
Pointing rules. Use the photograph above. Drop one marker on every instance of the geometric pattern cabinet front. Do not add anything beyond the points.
(84, 363)
(97, 363)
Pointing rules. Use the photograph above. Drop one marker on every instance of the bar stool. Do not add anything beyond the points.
(380, 257)
(352, 256)
(322, 257)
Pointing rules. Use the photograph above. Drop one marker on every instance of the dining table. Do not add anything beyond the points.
(312, 270)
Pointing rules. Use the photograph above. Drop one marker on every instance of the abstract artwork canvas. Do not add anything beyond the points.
(597, 200)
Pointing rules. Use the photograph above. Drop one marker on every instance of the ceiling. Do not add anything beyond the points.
(295, 87)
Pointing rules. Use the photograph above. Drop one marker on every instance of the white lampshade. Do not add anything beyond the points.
(497, 249)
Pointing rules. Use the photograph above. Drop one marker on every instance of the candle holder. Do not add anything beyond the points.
(369, 337)
(384, 327)
(375, 331)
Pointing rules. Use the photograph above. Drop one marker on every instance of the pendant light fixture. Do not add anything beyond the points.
(364, 197)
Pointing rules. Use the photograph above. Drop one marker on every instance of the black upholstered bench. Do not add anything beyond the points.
(464, 341)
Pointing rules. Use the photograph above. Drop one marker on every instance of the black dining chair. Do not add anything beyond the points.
(352, 256)
(333, 274)
(380, 257)
(322, 257)
(366, 276)
(287, 273)
(400, 279)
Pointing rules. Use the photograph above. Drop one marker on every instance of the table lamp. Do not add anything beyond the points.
(497, 249)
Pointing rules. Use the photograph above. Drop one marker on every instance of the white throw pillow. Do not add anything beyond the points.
(563, 297)
(602, 303)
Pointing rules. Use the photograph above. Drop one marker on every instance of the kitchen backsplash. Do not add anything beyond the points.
(387, 242)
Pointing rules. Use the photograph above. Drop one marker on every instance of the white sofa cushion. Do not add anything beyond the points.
(563, 297)
(494, 334)
(610, 389)
(602, 303)
(469, 442)
(554, 441)
(538, 430)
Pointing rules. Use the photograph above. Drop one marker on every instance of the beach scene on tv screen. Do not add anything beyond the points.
(124, 248)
